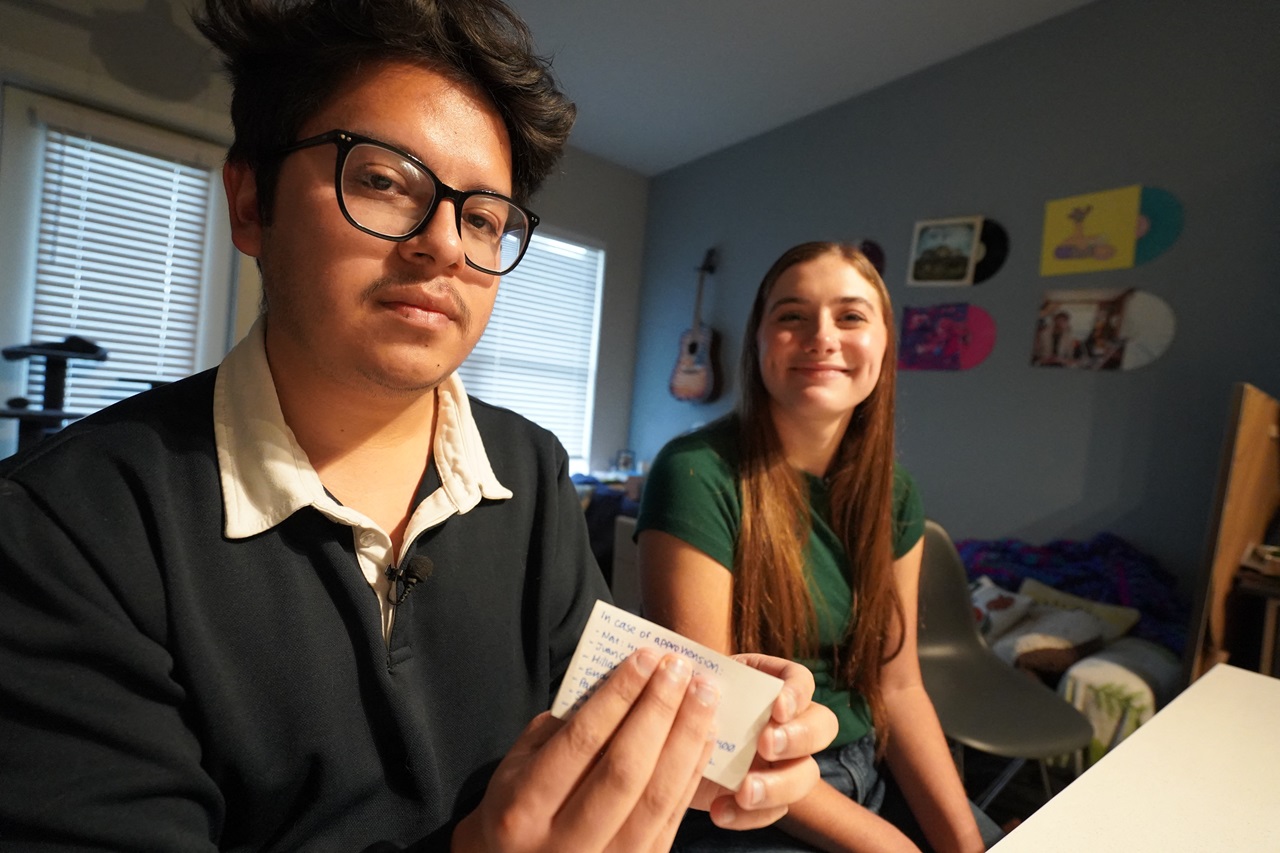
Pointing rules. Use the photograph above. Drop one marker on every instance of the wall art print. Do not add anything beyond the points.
(954, 336)
(945, 251)
(1097, 329)
(1091, 232)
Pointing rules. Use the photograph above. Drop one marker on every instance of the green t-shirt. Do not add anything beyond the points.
(692, 492)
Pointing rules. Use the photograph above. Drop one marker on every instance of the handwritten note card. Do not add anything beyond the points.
(746, 694)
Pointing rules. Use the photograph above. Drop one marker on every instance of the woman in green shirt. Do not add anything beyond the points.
(787, 528)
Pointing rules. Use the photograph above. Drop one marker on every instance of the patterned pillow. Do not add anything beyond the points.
(1115, 619)
(995, 608)
(1049, 639)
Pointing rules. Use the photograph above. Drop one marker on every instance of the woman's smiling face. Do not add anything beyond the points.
(822, 338)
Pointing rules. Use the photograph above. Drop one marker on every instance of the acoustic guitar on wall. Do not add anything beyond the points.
(696, 377)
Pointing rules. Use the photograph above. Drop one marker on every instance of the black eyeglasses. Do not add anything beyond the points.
(391, 194)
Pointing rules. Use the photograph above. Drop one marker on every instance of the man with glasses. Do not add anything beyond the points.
(318, 598)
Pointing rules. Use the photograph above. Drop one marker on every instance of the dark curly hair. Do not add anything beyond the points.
(287, 57)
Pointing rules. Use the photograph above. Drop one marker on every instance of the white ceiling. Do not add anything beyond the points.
(659, 83)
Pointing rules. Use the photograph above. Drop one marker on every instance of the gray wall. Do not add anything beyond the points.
(1179, 95)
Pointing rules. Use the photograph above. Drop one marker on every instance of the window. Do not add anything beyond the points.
(538, 354)
(126, 246)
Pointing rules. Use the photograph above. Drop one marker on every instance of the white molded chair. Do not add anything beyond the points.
(982, 702)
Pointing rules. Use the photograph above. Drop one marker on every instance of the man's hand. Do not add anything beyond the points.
(616, 777)
(784, 770)
(620, 774)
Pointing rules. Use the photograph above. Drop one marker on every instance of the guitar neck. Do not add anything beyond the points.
(697, 303)
(708, 265)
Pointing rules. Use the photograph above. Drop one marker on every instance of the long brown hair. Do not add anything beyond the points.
(772, 609)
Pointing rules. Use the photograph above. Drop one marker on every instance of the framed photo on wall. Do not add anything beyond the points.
(944, 252)
(1101, 329)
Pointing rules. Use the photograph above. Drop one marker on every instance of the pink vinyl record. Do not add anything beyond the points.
(954, 336)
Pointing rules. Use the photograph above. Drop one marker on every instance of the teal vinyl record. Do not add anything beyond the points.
(1159, 224)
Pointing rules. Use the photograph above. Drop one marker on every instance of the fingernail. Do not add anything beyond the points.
(677, 669)
(755, 792)
(727, 815)
(646, 662)
(788, 705)
(779, 741)
(705, 692)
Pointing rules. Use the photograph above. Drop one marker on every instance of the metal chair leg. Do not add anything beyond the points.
(1044, 777)
(1000, 781)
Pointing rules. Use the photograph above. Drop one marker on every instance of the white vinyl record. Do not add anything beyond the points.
(1148, 329)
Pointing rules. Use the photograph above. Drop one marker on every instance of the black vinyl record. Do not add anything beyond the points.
(874, 253)
(995, 248)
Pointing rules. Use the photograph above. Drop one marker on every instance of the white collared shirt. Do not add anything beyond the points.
(266, 476)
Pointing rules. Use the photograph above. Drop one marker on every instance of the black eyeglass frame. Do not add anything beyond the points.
(345, 141)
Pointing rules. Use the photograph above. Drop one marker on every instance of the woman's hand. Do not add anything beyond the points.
(783, 771)
(691, 593)
(618, 776)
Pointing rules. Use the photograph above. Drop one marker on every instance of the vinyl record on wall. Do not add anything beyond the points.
(1149, 326)
(874, 252)
(944, 252)
(1159, 223)
(993, 248)
(1090, 232)
(1101, 329)
(961, 250)
(955, 336)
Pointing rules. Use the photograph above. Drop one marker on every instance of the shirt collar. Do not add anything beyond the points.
(266, 476)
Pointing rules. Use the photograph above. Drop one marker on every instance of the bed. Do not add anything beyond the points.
(1098, 620)
(1144, 644)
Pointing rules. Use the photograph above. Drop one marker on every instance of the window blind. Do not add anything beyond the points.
(538, 354)
(120, 260)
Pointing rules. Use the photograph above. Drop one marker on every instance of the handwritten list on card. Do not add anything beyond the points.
(746, 694)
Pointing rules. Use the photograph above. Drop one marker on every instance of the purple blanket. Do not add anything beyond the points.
(1106, 569)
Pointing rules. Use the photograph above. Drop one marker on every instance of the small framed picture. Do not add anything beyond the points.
(945, 251)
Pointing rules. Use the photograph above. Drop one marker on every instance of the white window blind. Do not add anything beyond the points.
(120, 261)
(538, 354)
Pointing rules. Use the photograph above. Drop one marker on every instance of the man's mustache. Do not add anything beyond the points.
(435, 289)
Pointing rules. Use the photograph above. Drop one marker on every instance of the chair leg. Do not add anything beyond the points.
(1077, 766)
(1000, 781)
(1044, 777)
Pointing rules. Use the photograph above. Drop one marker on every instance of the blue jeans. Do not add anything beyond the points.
(851, 770)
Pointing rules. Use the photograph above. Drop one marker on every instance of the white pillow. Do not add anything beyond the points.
(1050, 639)
(1116, 620)
(996, 609)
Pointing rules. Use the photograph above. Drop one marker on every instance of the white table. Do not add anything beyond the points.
(1202, 775)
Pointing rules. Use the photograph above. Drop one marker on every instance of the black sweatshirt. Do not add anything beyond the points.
(165, 688)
